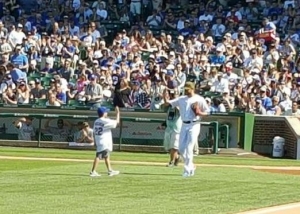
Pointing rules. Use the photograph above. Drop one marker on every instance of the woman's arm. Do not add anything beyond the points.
(278, 111)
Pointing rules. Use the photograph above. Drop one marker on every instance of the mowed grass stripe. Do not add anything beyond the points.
(145, 157)
(61, 187)
(294, 168)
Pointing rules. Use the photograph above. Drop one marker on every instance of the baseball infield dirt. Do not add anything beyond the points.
(282, 171)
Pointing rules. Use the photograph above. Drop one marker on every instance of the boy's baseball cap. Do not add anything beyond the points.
(189, 85)
(102, 110)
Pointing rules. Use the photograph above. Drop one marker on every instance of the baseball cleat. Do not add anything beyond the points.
(186, 174)
(94, 174)
(192, 172)
(113, 173)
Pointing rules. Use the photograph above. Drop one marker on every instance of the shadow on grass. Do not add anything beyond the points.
(147, 174)
(55, 174)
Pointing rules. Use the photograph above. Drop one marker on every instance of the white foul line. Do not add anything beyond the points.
(274, 209)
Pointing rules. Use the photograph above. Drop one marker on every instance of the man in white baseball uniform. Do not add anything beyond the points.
(103, 139)
(26, 131)
(173, 126)
(190, 124)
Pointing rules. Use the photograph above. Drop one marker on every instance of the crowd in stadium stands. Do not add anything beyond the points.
(242, 55)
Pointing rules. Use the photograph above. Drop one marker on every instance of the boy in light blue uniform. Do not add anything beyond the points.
(173, 127)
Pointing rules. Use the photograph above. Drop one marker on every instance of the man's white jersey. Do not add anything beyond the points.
(25, 132)
(103, 135)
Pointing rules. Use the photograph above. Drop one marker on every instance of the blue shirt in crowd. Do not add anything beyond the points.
(266, 102)
(17, 75)
(62, 96)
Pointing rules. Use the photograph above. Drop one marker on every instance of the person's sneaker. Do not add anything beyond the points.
(192, 172)
(113, 173)
(170, 164)
(177, 161)
(94, 174)
(186, 174)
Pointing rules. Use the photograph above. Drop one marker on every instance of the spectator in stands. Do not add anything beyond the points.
(93, 92)
(16, 74)
(52, 101)
(9, 96)
(23, 93)
(60, 95)
(217, 105)
(275, 108)
(38, 92)
(138, 97)
(252, 52)
(266, 101)
(258, 108)
(67, 72)
(295, 110)
(122, 94)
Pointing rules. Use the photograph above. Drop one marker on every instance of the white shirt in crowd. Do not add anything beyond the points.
(289, 2)
(207, 18)
(96, 34)
(16, 37)
(220, 85)
(154, 20)
(103, 135)
(237, 14)
(294, 94)
(231, 78)
(222, 108)
(218, 30)
(253, 63)
(286, 105)
(180, 24)
(88, 40)
(246, 81)
(75, 30)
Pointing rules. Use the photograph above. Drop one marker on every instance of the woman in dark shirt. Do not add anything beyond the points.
(121, 97)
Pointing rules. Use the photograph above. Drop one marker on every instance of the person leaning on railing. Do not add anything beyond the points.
(52, 100)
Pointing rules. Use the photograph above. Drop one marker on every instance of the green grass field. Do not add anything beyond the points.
(42, 187)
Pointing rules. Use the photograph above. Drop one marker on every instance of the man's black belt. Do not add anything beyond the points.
(188, 122)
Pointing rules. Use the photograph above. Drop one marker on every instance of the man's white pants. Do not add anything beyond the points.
(188, 138)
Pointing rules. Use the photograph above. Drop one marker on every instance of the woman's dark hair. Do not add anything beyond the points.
(216, 101)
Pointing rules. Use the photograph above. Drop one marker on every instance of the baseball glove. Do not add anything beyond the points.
(196, 108)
